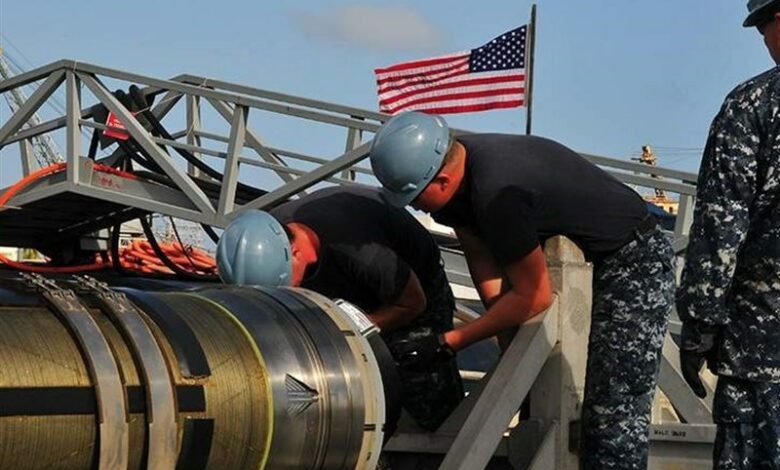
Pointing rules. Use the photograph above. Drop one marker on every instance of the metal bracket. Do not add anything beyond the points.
(365, 326)
(63, 299)
(104, 372)
(158, 384)
(103, 292)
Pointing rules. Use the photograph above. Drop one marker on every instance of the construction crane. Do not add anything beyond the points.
(661, 199)
(649, 158)
(44, 149)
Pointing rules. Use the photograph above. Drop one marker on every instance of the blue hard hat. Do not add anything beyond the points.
(406, 154)
(758, 10)
(254, 250)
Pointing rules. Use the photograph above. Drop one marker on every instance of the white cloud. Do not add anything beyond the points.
(377, 27)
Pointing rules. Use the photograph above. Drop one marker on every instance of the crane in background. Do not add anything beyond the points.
(661, 199)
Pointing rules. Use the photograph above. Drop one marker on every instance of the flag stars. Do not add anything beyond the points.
(502, 53)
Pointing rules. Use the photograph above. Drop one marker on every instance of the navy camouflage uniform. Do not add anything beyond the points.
(632, 298)
(731, 278)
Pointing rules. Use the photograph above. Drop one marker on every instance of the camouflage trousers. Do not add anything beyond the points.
(748, 418)
(430, 396)
(632, 297)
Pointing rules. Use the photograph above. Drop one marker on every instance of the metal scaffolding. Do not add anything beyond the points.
(544, 347)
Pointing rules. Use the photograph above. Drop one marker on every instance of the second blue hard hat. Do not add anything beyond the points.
(407, 152)
(255, 250)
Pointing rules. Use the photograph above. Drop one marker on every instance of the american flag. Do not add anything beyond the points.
(488, 77)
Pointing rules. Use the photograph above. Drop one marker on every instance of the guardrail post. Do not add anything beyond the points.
(193, 127)
(682, 225)
(354, 138)
(73, 126)
(557, 394)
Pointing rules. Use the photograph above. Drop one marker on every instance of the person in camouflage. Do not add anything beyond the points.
(505, 195)
(632, 296)
(729, 296)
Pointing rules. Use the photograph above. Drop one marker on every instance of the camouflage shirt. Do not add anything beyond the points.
(732, 267)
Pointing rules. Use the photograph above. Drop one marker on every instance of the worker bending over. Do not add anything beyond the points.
(504, 195)
(348, 243)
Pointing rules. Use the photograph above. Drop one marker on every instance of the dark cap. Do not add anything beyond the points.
(759, 10)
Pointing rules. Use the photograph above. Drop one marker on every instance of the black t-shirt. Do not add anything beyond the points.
(520, 190)
(367, 248)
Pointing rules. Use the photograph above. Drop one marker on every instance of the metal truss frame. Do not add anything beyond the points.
(242, 146)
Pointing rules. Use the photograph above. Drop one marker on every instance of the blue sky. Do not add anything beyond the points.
(611, 75)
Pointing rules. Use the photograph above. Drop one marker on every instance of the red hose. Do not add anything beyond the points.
(140, 256)
(28, 180)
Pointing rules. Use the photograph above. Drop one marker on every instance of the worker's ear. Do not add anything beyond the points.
(442, 180)
(295, 250)
(776, 28)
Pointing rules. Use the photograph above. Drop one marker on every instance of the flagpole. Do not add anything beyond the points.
(530, 45)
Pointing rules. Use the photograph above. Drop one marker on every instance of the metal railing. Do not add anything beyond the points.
(241, 147)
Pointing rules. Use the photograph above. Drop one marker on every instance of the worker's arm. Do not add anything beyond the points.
(529, 294)
(728, 181)
(485, 272)
(388, 280)
(724, 196)
(407, 306)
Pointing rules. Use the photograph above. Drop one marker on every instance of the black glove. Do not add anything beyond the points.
(421, 354)
(697, 344)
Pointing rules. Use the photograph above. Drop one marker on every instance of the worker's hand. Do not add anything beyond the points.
(697, 344)
(422, 353)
